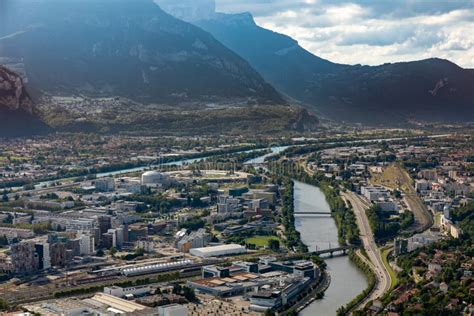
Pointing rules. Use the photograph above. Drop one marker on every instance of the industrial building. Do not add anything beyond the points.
(135, 269)
(217, 251)
(127, 292)
(196, 239)
(100, 304)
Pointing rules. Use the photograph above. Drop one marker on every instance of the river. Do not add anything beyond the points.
(260, 159)
(320, 232)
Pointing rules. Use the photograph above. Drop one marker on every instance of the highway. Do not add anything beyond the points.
(382, 285)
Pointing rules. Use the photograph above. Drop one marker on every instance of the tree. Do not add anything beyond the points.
(177, 288)
(8, 219)
(5, 197)
(274, 244)
(3, 240)
(113, 251)
(3, 305)
(189, 293)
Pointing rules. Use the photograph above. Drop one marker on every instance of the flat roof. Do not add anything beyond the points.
(218, 248)
(118, 303)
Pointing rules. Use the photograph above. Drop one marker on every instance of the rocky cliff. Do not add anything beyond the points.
(18, 116)
(13, 95)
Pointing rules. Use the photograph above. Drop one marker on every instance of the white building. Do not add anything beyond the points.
(147, 245)
(216, 251)
(121, 292)
(85, 224)
(173, 310)
(422, 185)
(86, 245)
(375, 193)
(155, 179)
(196, 239)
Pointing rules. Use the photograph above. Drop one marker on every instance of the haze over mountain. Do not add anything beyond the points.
(18, 116)
(123, 48)
(431, 89)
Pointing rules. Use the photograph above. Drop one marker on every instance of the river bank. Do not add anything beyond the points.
(321, 232)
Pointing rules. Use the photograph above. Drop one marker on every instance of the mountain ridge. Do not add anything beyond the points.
(123, 48)
(432, 89)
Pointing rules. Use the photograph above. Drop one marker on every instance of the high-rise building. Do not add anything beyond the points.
(108, 240)
(86, 245)
(43, 255)
(24, 258)
(119, 232)
(74, 246)
(58, 254)
(105, 223)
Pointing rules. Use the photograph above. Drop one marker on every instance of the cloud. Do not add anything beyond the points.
(344, 30)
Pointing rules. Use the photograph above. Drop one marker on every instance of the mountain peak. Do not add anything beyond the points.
(238, 19)
(189, 10)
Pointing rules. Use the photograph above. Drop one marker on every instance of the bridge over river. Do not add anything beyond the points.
(342, 250)
(301, 214)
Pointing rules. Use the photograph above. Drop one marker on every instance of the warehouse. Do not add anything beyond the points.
(216, 251)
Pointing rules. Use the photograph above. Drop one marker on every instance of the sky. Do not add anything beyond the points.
(370, 32)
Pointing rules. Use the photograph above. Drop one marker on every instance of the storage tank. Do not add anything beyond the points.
(153, 178)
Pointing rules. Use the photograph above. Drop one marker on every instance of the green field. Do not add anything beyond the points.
(393, 276)
(261, 241)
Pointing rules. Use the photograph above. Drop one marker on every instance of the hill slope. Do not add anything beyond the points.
(431, 89)
(18, 117)
(123, 48)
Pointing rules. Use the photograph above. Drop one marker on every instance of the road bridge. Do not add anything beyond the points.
(341, 249)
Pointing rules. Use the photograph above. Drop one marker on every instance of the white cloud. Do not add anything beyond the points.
(370, 31)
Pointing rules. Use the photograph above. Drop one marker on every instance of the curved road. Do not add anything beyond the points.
(382, 285)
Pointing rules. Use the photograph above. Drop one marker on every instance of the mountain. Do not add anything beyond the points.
(428, 90)
(276, 56)
(18, 116)
(189, 10)
(124, 48)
